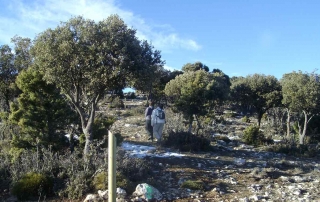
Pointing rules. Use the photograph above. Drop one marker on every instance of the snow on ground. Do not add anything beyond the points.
(141, 151)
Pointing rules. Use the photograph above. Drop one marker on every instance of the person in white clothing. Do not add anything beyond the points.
(158, 120)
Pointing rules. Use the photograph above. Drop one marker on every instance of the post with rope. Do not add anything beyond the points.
(111, 167)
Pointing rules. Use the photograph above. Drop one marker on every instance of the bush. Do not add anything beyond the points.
(77, 186)
(101, 126)
(116, 103)
(135, 169)
(252, 136)
(33, 185)
(245, 119)
(135, 111)
(100, 182)
(185, 141)
(194, 185)
(293, 150)
(230, 115)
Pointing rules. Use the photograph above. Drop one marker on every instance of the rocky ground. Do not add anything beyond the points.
(232, 172)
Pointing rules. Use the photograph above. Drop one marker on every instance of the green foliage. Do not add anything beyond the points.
(301, 94)
(8, 73)
(134, 111)
(185, 141)
(196, 93)
(104, 134)
(230, 115)
(193, 185)
(86, 60)
(41, 113)
(245, 119)
(32, 185)
(100, 182)
(295, 150)
(260, 91)
(78, 185)
(101, 126)
(116, 103)
(195, 67)
(253, 136)
(135, 169)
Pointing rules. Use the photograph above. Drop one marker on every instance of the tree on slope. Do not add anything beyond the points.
(193, 91)
(41, 112)
(259, 91)
(86, 59)
(301, 94)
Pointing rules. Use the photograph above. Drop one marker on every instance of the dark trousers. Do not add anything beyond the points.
(149, 129)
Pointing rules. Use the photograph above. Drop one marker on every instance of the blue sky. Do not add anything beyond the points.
(240, 37)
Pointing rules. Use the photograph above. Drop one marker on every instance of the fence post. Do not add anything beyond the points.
(111, 168)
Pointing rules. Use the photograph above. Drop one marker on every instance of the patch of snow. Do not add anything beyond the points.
(141, 151)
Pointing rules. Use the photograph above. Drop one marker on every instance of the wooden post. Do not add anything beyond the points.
(111, 168)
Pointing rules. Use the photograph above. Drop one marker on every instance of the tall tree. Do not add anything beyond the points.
(301, 94)
(11, 63)
(192, 92)
(86, 59)
(40, 111)
(195, 66)
(7, 76)
(148, 79)
(259, 91)
(22, 55)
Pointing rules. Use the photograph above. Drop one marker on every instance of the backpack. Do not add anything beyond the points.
(149, 112)
(161, 114)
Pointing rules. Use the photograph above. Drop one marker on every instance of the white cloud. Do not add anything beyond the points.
(169, 68)
(27, 20)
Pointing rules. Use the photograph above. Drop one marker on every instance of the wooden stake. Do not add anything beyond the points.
(111, 168)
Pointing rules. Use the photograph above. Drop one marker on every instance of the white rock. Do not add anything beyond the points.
(103, 194)
(91, 198)
(147, 191)
(121, 192)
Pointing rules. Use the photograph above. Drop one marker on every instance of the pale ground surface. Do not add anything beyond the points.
(232, 172)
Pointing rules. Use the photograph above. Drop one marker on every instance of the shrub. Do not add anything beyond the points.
(245, 119)
(230, 115)
(185, 141)
(78, 184)
(100, 182)
(32, 185)
(252, 136)
(194, 185)
(295, 150)
(101, 126)
(116, 103)
(136, 111)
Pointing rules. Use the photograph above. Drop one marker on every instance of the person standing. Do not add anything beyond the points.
(148, 126)
(158, 120)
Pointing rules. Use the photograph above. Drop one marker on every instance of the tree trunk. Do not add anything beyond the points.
(288, 125)
(260, 114)
(86, 123)
(304, 131)
(87, 130)
(190, 123)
